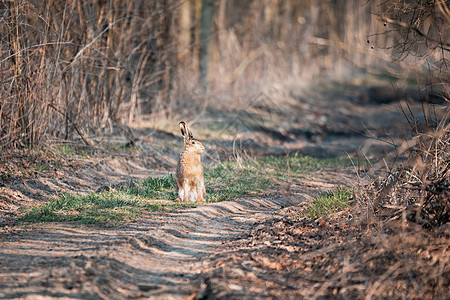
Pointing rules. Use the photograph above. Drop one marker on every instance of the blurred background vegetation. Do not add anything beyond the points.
(73, 69)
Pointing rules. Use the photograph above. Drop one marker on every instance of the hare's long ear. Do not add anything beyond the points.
(185, 131)
(189, 133)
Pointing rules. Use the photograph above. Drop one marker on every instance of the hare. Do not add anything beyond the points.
(190, 186)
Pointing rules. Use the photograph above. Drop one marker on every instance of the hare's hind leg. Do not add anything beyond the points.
(203, 189)
(200, 186)
(182, 190)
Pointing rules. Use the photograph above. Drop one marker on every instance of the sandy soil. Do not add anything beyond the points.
(253, 248)
(162, 256)
(250, 248)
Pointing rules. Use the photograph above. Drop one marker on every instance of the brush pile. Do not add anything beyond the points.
(419, 189)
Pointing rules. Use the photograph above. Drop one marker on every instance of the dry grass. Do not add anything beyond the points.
(403, 250)
(288, 257)
(399, 262)
(75, 70)
(419, 189)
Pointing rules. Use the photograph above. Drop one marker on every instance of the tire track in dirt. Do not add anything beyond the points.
(160, 257)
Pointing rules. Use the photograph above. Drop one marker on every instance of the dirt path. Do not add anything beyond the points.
(164, 255)
(159, 257)
(253, 248)
(241, 249)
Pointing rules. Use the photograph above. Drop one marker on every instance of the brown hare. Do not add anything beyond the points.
(190, 186)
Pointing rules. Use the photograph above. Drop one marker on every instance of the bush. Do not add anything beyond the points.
(418, 190)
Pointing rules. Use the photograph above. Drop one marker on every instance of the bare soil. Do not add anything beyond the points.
(249, 248)
(163, 255)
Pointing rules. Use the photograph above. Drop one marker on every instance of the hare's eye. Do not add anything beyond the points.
(193, 142)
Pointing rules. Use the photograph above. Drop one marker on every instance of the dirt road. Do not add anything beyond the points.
(250, 248)
(159, 257)
(253, 248)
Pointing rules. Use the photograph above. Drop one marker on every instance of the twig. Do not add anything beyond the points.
(35, 46)
(441, 44)
(269, 278)
(393, 206)
(91, 42)
(74, 125)
(374, 287)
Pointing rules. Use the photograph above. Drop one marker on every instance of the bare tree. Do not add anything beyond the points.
(206, 24)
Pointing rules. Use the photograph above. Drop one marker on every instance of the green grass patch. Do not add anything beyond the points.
(91, 208)
(123, 204)
(225, 181)
(154, 188)
(65, 150)
(298, 165)
(330, 202)
(231, 180)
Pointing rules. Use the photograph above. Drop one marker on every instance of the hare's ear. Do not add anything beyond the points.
(189, 133)
(183, 128)
(185, 131)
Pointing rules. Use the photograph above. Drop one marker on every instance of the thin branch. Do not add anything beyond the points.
(91, 42)
(441, 44)
(73, 124)
(35, 46)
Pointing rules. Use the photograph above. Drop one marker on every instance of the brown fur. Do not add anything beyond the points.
(190, 186)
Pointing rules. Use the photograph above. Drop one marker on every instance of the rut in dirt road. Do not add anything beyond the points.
(158, 257)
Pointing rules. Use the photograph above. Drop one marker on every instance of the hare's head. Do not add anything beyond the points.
(190, 144)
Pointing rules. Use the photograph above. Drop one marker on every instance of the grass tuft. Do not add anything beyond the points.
(122, 204)
(154, 188)
(330, 202)
(65, 150)
(231, 180)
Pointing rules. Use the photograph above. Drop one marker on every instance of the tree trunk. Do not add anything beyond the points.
(184, 38)
(206, 23)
